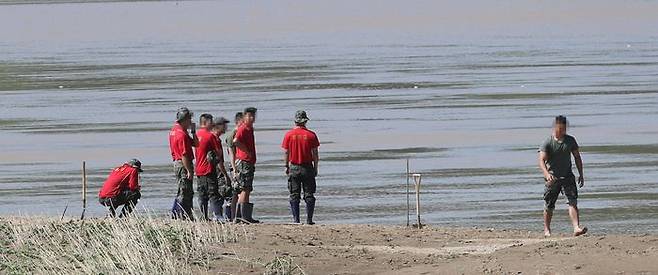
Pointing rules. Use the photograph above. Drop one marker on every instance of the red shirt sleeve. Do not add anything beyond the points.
(133, 180)
(286, 142)
(315, 141)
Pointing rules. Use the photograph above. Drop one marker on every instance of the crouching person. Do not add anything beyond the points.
(122, 188)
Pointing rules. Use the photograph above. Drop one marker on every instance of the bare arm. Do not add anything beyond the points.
(187, 163)
(579, 165)
(316, 158)
(195, 140)
(220, 164)
(543, 157)
(286, 161)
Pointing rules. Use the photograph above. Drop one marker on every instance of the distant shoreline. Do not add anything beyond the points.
(47, 2)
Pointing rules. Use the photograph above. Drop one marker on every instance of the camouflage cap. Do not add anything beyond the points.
(183, 113)
(135, 163)
(301, 117)
(220, 120)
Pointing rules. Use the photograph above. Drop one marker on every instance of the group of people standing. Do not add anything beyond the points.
(222, 194)
(216, 184)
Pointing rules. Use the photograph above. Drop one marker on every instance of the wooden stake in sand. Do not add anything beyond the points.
(84, 190)
(417, 179)
(408, 207)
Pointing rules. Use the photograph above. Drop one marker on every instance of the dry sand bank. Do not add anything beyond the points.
(364, 249)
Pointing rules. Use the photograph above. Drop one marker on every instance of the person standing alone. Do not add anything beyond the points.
(301, 159)
(180, 144)
(555, 162)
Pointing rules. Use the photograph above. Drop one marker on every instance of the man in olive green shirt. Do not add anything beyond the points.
(230, 148)
(555, 162)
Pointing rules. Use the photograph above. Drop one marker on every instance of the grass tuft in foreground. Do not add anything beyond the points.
(282, 265)
(110, 246)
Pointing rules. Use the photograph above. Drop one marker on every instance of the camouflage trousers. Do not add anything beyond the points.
(185, 194)
(245, 180)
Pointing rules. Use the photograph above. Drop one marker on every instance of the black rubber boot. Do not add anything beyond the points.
(294, 210)
(310, 208)
(247, 210)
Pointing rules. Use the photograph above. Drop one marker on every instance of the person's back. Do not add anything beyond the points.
(122, 188)
(301, 161)
(300, 143)
(121, 178)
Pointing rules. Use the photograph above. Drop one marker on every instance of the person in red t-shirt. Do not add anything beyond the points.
(181, 145)
(122, 188)
(245, 154)
(207, 155)
(301, 165)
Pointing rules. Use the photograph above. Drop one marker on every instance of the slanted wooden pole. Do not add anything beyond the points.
(417, 179)
(84, 190)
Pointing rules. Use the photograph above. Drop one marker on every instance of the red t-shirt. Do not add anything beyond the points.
(245, 135)
(207, 143)
(300, 143)
(180, 143)
(218, 145)
(120, 178)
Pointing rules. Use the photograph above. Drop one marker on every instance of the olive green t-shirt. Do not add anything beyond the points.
(559, 155)
(229, 139)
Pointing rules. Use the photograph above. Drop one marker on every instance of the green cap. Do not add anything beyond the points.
(183, 113)
(135, 163)
(220, 120)
(301, 117)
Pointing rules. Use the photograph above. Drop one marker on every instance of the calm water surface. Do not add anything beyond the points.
(469, 114)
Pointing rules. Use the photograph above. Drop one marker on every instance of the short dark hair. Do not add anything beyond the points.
(205, 118)
(250, 110)
(561, 120)
(238, 116)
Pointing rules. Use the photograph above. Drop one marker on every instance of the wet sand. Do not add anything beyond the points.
(372, 249)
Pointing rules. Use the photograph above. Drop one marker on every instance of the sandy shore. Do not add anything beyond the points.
(364, 249)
